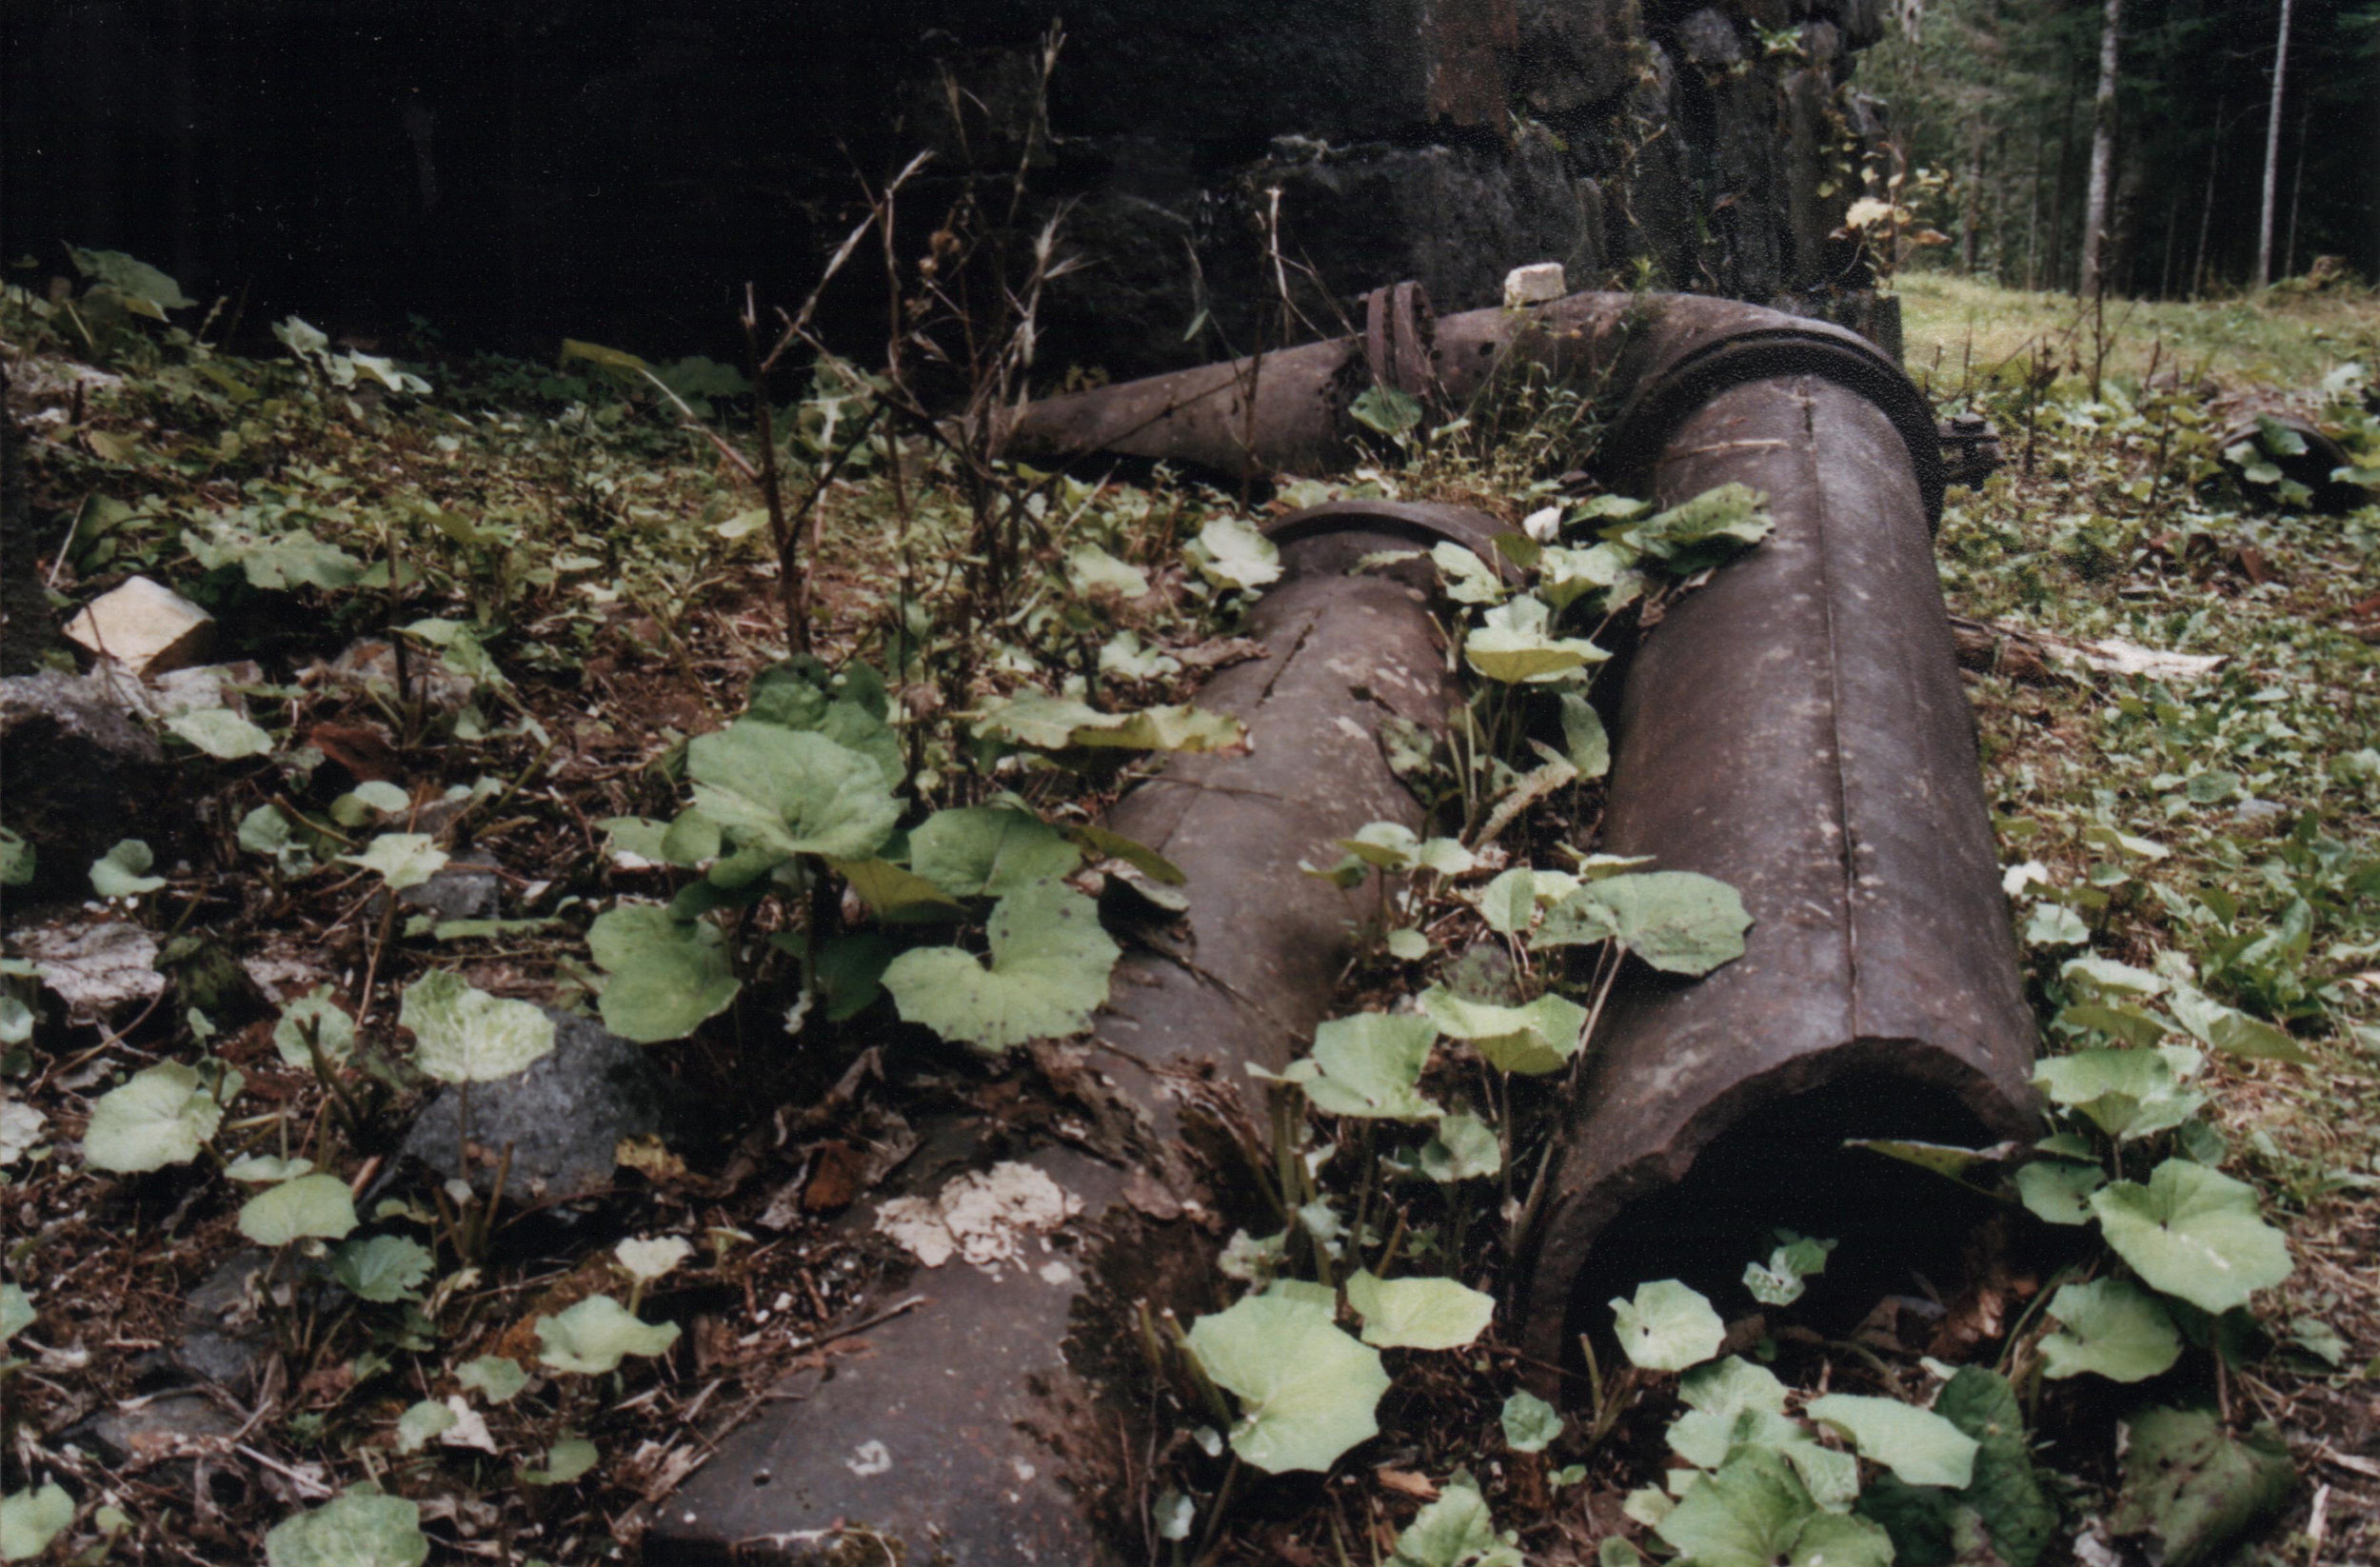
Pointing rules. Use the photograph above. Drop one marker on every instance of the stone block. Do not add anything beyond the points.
(1534, 284)
(146, 626)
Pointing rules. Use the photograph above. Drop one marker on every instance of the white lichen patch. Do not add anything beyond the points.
(982, 1216)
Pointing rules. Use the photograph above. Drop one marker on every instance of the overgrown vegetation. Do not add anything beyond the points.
(550, 619)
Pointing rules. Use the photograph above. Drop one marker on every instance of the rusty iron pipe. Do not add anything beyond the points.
(978, 1427)
(1655, 358)
(1796, 728)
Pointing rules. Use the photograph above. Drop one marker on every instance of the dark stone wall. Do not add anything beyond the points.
(616, 170)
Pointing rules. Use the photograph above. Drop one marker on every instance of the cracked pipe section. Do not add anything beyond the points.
(1795, 727)
(980, 1427)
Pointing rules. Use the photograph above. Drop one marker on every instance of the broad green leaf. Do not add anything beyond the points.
(1530, 1424)
(1464, 1148)
(637, 836)
(1918, 1445)
(1419, 1313)
(1536, 1038)
(312, 1207)
(220, 733)
(1407, 944)
(360, 1529)
(16, 1026)
(1584, 741)
(1387, 410)
(667, 975)
(1306, 1390)
(381, 1268)
(1566, 576)
(1124, 656)
(332, 1031)
(162, 1116)
(1048, 973)
(123, 871)
(403, 859)
(648, 1260)
(2125, 1093)
(266, 1169)
(497, 1377)
(2113, 1329)
(898, 896)
(1785, 1277)
(1676, 920)
(422, 1421)
(1455, 1531)
(1667, 1326)
(29, 1520)
(18, 858)
(1733, 1403)
(1509, 903)
(1701, 532)
(1467, 578)
(2104, 977)
(274, 561)
(16, 1312)
(1057, 723)
(1091, 569)
(1115, 846)
(2193, 1233)
(2233, 1031)
(2196, 1487)
(137, 280)
(1514, 643)
(1234, 554)
(982, 851)
(592, 1337)
(792, 791)
(1370, 1064)
(2006, 1493)
(564, 1462)
(464, 1035)
(2055, 924)
(1946, 1160)
(1755, 1512)
(2057, 1191)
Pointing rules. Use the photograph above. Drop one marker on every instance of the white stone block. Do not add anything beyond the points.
(1534, 284)
(146, 627)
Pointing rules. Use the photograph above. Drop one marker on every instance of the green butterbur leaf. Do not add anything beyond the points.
(497, 1377)
(1057, 723)
(1465, 1149)
(1091, 569)
(2196, 1488)
(668, 975)
(1667, 1326)
(1530, 1424)
(1916, 1444)
(421, 1422)
(594, 1336)
(403, 859)
(312, 1207)
(1678, 921)
(2125, 1093)
(123, 871)
(2113, 1330)
(1455, 1531)
(360, 1529)
(1306, 1390)
(382, 1268)
(220, 733)
(1536, 1038)
(1048, 973)
(989, 851)
(2193, 1233)
(1514, 643)
(1419, 1313)
(464, 1035)
(162, 1116)
(1234, 554)
(2058, 1193)
(1369, 1064)
(792, 791)
(333, 1031)
(29, 1520)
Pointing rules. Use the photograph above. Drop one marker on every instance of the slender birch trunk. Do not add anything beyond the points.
(2089, 280)
(2273, 154)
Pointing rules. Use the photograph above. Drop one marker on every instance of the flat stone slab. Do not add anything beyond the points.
(563, 1117)
(146, 626)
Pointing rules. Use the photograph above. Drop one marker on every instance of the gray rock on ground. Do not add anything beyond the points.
(81, 771)
(563, 1117)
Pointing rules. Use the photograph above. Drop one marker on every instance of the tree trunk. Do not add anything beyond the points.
(2091, 278)
(2272, 153)
(1971, 210)
(2297, 187)
(2206, 213)
(2056, 272)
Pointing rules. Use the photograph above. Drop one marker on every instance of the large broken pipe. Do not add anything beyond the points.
(972, 1428)
(1795, 727)
(1652, 359)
